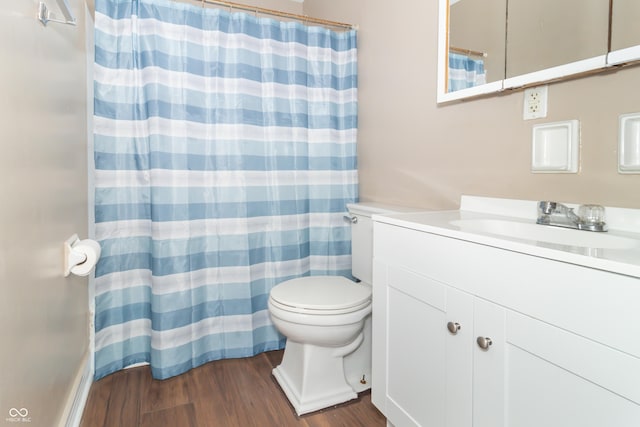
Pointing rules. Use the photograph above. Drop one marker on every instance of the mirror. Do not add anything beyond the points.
(471, 60)
(529, 42)
(625, 31)
(544, 34)
(479, 41)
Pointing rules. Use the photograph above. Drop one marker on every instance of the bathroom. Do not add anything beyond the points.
(411, 151)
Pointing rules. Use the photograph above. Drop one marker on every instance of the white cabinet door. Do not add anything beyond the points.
(534, 374)
(415, 350)
(555, 378)
(459, 356)
(488, 364)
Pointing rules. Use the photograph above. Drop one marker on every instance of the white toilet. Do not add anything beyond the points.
(327, 322)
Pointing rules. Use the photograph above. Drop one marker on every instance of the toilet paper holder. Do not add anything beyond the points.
(71, 257)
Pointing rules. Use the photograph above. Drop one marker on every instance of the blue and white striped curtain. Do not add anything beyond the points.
(225, 150)
(465, 72)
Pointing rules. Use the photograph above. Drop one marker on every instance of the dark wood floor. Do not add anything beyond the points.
(232, 392)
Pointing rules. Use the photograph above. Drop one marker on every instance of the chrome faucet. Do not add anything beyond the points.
(589, 217)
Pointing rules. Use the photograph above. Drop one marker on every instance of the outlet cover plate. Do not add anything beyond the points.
(556, 147)
(535, 102)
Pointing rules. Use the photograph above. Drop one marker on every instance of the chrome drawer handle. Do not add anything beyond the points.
(453, 327)
(484, 343)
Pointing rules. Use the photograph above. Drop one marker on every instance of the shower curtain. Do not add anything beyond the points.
(465, 72)
(225, 152)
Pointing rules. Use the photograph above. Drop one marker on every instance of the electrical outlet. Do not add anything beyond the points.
(535, 103)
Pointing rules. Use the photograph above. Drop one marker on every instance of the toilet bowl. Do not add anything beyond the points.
(327, 323)
(323, 320)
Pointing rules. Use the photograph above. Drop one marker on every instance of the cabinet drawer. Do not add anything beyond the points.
(556, 379)
(419, 287)
(614, 370)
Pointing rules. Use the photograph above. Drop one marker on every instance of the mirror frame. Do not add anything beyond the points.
(623, 56)
(558, 73)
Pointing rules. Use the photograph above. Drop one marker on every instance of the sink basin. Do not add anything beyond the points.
(545, 233)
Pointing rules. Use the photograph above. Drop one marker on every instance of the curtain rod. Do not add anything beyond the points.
(278, 13)
(467, 51)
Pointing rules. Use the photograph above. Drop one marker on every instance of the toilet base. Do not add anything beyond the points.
(313, 377)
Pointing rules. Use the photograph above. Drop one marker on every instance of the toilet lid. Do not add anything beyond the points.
(321, 293)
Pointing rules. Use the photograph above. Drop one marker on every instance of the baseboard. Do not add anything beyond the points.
(77, 399)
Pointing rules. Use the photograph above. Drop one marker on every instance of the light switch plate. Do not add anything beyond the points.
(629, 143)
(555, 147)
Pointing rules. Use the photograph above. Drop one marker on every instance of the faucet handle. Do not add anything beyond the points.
(546, 208)
(591, 214)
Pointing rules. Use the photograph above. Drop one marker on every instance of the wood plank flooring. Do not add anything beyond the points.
(225, 393)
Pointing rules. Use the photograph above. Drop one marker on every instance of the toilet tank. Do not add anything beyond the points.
(362, 236)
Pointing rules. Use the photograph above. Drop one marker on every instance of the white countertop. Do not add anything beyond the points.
(623, 261)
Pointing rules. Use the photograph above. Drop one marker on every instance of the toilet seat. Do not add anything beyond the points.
(320, 295)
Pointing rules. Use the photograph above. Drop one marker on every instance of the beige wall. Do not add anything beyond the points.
(413, 152)
(43, 188)
(289, 6)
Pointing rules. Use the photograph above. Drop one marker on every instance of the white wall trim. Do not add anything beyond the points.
(74, 407)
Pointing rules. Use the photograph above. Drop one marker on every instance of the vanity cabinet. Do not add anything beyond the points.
(466, 334)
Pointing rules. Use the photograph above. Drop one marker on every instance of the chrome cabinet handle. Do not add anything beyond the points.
(484, 342)
(453, 327)
(351, 219)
